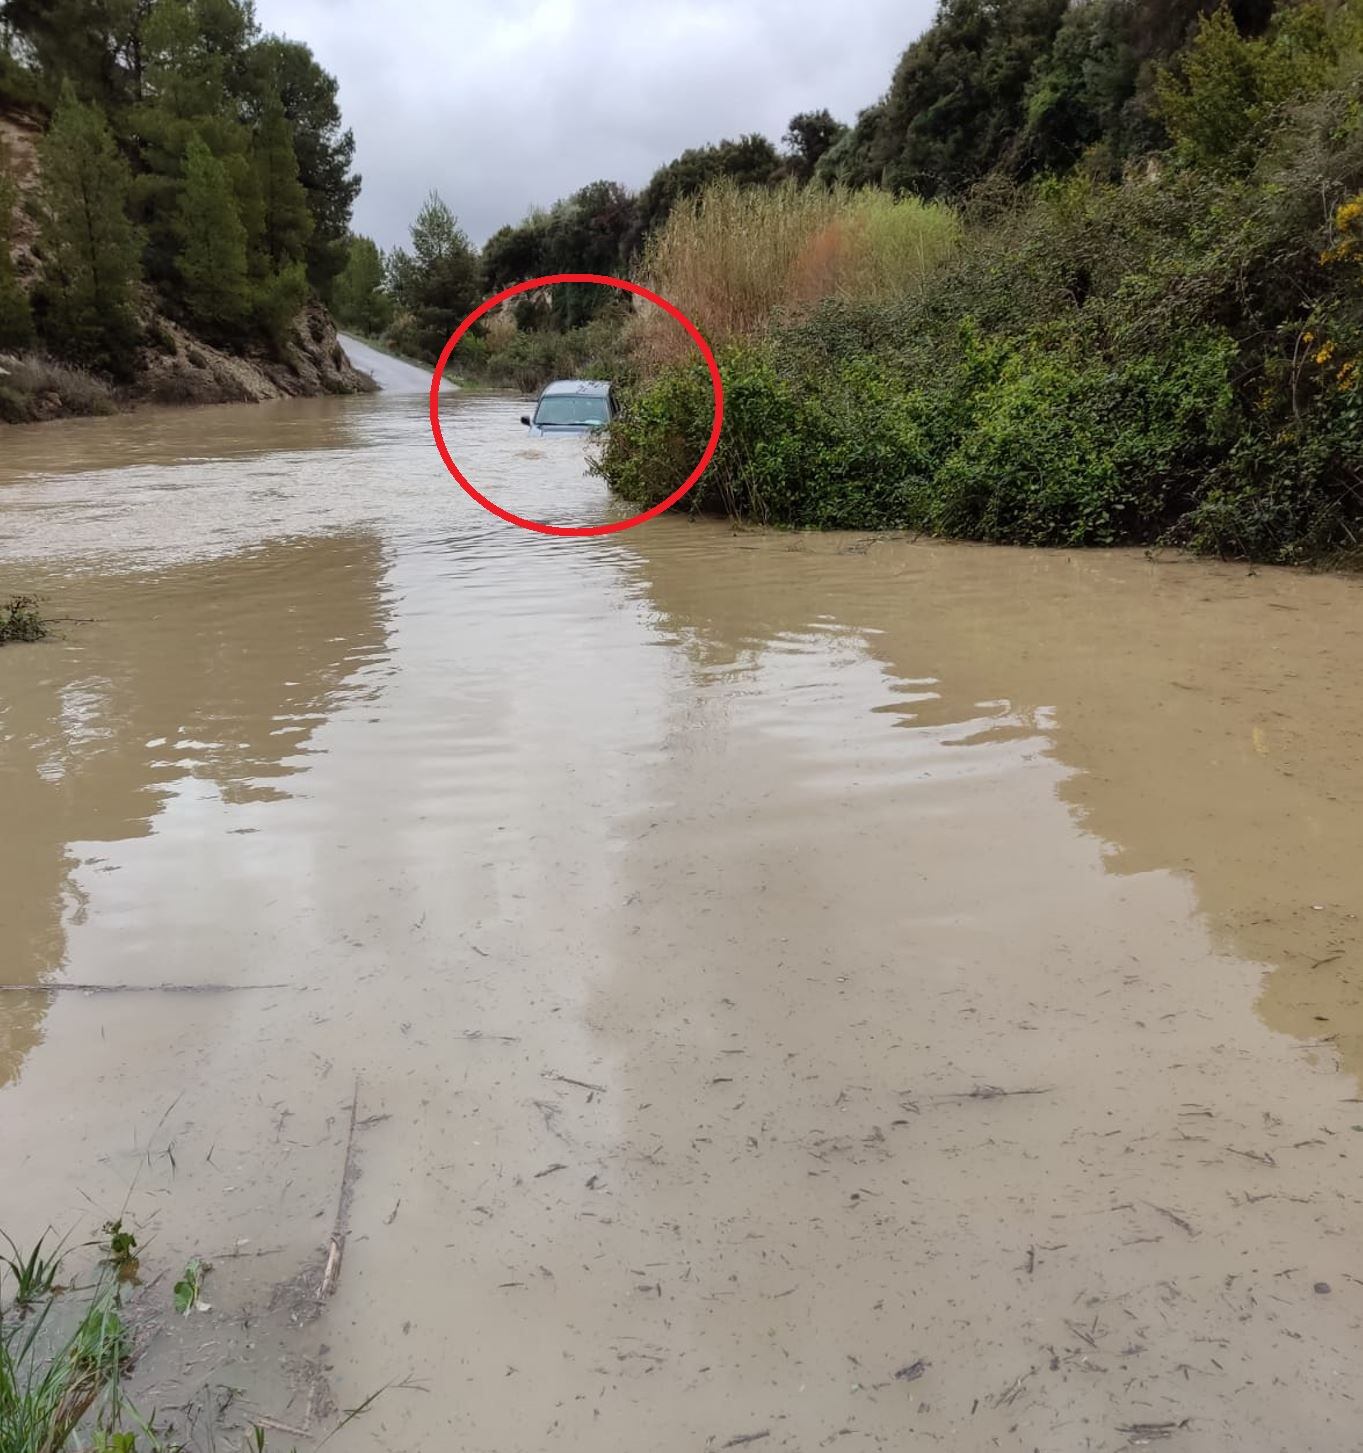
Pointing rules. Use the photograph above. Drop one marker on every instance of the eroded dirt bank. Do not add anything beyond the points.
(865, 993)
(171, 365)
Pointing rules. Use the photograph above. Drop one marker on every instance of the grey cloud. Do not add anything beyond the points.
(506, 106)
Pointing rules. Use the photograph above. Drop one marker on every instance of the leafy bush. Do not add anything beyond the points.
(21, 620)
(512, 357)
(1040, 445)
(1069, 448)
(279, 301)
(1176, 356)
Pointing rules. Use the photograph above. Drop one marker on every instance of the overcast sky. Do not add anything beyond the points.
(502, 105)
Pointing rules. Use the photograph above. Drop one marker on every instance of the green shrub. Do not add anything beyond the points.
(1224, 95)
(1068, 448)
(279, 300)
(510, 357)
(842, 449)
(21, 620)
(1038, 445)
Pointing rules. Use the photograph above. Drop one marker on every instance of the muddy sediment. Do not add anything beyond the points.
(736, 987)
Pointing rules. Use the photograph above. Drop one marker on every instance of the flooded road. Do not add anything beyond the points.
(708, 985)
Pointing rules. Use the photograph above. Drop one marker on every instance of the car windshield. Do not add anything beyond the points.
(572, 409)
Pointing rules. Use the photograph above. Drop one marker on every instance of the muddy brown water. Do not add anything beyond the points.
(656, 919)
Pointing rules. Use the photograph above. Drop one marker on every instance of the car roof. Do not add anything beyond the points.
(593, 387)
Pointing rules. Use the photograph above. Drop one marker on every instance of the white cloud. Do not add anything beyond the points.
(502, 105)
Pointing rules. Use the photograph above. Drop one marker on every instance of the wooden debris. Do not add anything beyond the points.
(1174, 1217)
(1147, 1432)
(1260, 1155)
(276, 1426)
(581, 1084)
(336, 1243)
(997, 1092)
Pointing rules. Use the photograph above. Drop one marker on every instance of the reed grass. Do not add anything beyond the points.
(58, 1376)
(734, 259)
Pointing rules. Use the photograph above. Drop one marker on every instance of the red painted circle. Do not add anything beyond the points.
(611, 282)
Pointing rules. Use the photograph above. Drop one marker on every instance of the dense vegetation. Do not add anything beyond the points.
(188, 161)
(418, 296)
(21, 619)
(1142, 345)
(1090, 272)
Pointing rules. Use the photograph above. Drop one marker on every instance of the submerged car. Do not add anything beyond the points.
(571, 406)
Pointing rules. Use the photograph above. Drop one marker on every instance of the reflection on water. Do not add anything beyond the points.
(238, 567)
(1212, 717)
(660, 899)
(214, 674)
(169, 437)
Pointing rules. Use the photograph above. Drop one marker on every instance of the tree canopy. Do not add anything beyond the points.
(90, 249)
(224, 147)
(436, 284)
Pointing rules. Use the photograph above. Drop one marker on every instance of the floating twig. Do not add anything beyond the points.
(336, 1244)
(276, 1426)
(1013, 1391)
(581, 1084)
(1262, 1156)
(1153, 1430)
(1174, 1217)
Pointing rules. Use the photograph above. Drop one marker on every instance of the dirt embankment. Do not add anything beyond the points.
(176, 367)
(172, 365)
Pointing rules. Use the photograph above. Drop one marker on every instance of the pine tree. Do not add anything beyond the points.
(89, 248)
(16, 320)
(325, 150)
(212, 257)
(278, 301)
(437, 283)
(287, 221)
(360, 299)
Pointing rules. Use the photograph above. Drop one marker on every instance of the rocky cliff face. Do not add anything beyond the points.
(20, 132)
(173, 365)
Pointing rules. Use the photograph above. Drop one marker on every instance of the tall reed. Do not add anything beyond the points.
(733, 258)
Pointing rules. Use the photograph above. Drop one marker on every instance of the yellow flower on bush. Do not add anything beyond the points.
(1349, 228)
(1325, 353)
(1347, 375)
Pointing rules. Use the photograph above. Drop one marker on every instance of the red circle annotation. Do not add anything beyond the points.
(611, 527)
